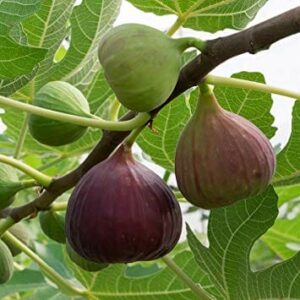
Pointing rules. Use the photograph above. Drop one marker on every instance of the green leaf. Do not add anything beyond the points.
(112, 282)
(89, 22)
(206, 15)
(287, 193)
(23, 281)
(288, 160)
(232, 232)
(47, 28)
(284, 237)
(252, 105)
(160, 143)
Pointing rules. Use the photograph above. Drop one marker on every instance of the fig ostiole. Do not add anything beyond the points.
(62, 97)
(6, 263)
(221, 157)
(83, 263)
(122, 212)
(53, 225)
(142, 64)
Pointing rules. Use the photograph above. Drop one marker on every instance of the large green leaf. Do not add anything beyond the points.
(288, 160)
(208, 15)
(232, 232)
(89, 22)
(113, 283)
(252, 105)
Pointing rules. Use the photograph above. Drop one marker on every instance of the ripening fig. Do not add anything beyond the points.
(53, 225)
(142, 64)
(122, 212)
(63, 97)
(9, 185)
(6, 263)
(21, 232)
(83, 263)
(221, 157)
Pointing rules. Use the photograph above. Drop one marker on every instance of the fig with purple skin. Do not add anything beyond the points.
(221, 157)
(122, 212)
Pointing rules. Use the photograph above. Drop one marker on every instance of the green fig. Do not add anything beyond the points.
(9, 185)
(83, 263)
(63, 97)
(53, 225)
(6, 263)
(221, 157)
(21, 232)
(142, 64)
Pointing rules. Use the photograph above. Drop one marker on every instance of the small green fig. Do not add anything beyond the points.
(83, 263)
(6, 263)
(53, 225)
(21, 232)
(9, 185)
(63, 97)
(142, 64)
(221, 157)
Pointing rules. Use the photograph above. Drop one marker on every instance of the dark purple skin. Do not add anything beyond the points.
(122, 212)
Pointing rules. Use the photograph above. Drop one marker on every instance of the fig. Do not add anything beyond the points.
(53, 225)
(9, 185)
(6, 263)
(83, 263)
(20, 231)
(121, 212)
(142, 64)
(63, 97)
(221, 157)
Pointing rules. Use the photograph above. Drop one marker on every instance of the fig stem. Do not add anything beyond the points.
(61, 282)
(6, 224)
(166, 176)
(247, 84)
(29, 183)
(128, 125)
(185, 278)
(60, 206)
(176, 25)
(129, 141)
(41, 178)
(114, 110)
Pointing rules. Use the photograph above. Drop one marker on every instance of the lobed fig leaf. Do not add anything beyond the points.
(122, 212)
(63, 97)
(221, 157)
(53, 225)
(83, 263)
(141, 64)
(6, 263)
(21, 232)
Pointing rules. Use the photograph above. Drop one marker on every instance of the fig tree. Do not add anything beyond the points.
(142, 64)
(122, 212)
(221, 157)
(63, 97)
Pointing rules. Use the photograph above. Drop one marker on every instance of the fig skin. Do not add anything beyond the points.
(6, 263)
(122, 212)
(62, 97)
(141, 64)
(221, 157)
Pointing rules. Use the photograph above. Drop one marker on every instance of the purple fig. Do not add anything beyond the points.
(122, 212)
(221, 157)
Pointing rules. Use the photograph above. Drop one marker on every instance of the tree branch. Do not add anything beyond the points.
(252, 40)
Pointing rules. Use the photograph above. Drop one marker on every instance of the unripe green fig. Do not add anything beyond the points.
(63, 97)
(9, 185)
(53, 225)
(142, 64)
(83, 263)
(20, 231)
(6, 263)
(221, 157)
